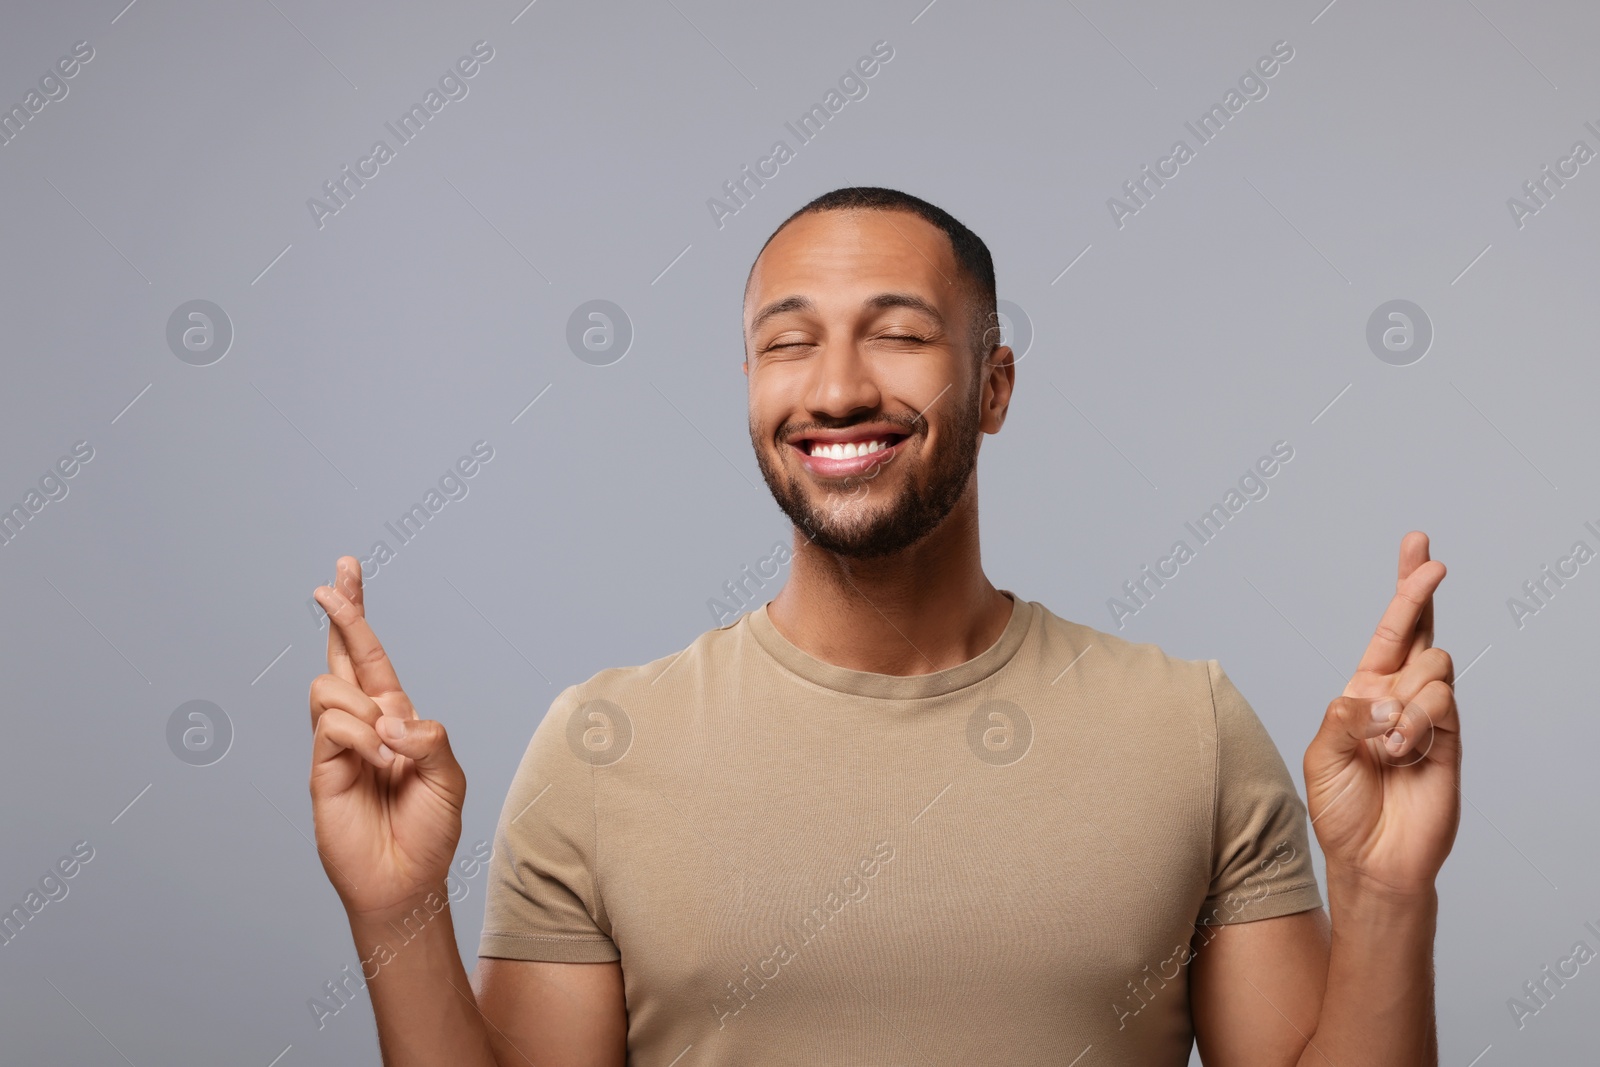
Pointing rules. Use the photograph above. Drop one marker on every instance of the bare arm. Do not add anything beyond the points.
(424, 1005)
(520, 1014)
(1379, 1003)
(1275, 992)
(1256, 988)
(562, 1014)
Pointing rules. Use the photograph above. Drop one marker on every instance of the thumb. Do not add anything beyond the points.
(425, 742)
(1349, 723)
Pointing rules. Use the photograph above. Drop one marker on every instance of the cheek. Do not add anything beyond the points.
(776, 399)
(764, 424)
(931, 386)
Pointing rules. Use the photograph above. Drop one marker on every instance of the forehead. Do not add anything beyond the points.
(848, 256)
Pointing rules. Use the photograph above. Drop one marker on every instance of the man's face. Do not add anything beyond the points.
(866, 399)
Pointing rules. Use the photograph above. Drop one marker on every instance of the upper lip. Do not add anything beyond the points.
(871, 431)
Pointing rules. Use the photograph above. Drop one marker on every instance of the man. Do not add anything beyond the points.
(897, 815)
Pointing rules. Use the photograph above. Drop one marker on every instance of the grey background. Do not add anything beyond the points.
(1227, 314)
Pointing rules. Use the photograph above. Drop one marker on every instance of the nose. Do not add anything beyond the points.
(843, 383)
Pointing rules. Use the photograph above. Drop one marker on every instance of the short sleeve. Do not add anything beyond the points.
(541, 901)
(1261, 854)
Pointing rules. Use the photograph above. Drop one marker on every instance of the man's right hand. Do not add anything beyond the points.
(387, 809)
(386, 791)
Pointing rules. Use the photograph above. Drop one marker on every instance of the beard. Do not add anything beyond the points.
(844, 523)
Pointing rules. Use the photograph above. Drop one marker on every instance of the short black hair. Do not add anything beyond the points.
(972, 255)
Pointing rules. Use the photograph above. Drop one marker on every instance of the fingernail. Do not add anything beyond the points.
(385, 753)
(391, 727)
(1395, 740)
(1385, 709)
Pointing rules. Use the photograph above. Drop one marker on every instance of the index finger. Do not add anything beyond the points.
(373, 671)
(1393, 639)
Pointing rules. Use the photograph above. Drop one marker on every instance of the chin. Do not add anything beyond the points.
(883, 532)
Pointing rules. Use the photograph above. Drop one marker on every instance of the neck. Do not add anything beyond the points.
(922, 610)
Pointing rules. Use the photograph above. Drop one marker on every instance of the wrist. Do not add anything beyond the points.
(404, 938)
(424, 902)
(1356, 894)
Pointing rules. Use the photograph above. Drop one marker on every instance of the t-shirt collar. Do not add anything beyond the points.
(894, 686)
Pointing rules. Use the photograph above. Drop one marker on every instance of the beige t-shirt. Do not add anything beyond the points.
(797, 863)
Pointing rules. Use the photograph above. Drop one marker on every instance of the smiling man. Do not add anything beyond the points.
(896, 814)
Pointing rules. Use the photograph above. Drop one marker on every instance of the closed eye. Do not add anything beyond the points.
(913, 338)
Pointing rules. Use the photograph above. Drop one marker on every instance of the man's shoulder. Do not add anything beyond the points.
(665, 676)
(1114, 656)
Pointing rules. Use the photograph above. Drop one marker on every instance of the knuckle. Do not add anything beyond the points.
(1447, 665)
(371, 655)
(332, 724)
(1432, 700)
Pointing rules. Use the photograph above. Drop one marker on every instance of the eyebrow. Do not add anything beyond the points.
(874, 303)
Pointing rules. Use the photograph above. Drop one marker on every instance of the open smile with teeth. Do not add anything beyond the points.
(849, 449)
(844, 459)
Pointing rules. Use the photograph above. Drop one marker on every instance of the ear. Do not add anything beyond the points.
(1000, 373)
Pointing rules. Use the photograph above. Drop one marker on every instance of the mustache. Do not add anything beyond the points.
(911, 425)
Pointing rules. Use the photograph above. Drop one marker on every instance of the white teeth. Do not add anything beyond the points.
(848, 451)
